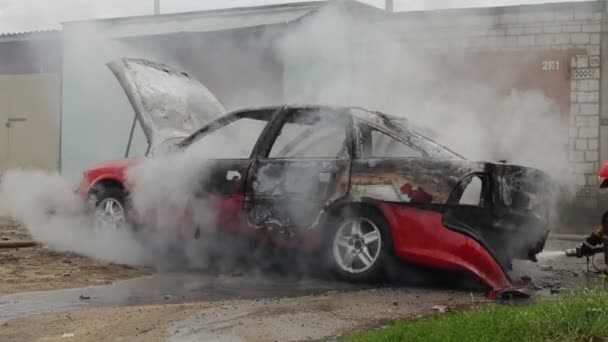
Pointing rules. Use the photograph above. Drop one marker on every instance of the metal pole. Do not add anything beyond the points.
(389, 5)
(131, 136)
(156, 7)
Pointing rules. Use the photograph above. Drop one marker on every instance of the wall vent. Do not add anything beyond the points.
(581, 74)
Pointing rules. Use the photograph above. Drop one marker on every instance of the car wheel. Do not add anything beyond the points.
(359, 246)
(110, 211)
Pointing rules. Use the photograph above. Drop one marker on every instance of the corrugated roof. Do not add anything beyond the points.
(214, 12)
(199, 21)
(28, 35)
(211, 20)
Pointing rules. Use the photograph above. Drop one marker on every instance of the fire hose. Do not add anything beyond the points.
(578, 253)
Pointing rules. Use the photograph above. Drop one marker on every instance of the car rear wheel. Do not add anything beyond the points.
(110, 211)
(359, 246)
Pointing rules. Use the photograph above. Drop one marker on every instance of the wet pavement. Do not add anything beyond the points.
(554, 272)
(254, 307)
(163, 288)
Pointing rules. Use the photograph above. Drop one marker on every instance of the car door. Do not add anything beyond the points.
(469, 211)
(302, 167)
(225, 149)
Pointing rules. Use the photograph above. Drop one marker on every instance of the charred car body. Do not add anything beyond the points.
(357, 187)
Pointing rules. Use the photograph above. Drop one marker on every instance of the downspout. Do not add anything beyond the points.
(389, 6)
(156, 7)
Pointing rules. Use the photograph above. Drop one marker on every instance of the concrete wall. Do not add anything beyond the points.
(30, 55)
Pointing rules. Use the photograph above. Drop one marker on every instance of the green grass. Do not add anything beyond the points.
(579, 316)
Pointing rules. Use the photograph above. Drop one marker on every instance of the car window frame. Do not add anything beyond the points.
(363, 150)
(272, 132)
(459, 189)
(226, 120)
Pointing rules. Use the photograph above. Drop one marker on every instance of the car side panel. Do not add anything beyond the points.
(420, 238)
(408, 180)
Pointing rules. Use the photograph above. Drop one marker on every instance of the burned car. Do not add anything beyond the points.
(356, 187)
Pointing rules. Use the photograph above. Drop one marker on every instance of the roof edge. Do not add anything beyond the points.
(213, 12)
(593, 4)
(29, 35)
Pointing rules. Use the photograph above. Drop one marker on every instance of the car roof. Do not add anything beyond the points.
(390, 124)
(358, 112)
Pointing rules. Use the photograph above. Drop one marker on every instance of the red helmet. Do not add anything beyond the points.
(603, 176)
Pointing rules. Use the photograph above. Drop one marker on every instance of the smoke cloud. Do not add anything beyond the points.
(55, 216)
(480, 119)
(477, 119)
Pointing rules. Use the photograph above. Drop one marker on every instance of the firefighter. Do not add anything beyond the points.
(592, 242)
(595, 238)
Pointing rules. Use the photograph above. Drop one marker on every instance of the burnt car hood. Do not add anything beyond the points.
(167, 102)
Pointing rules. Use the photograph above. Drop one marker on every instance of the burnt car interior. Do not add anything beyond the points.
(300, 160)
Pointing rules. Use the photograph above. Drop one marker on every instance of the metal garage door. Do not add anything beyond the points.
(29, 121)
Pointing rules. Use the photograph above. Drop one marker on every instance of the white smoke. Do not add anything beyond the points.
(477, 119)
(351, 62)
(56, 216)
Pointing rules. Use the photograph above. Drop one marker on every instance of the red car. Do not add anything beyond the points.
(356, 187)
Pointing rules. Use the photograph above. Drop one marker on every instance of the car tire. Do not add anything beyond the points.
(360, 254)
(109, 208)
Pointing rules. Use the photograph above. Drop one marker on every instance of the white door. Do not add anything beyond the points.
(29, 126)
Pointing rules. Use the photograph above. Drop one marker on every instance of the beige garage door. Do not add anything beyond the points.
(29, 121)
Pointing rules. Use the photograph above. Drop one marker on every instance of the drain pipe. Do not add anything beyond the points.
(389, 5)
(156, 7)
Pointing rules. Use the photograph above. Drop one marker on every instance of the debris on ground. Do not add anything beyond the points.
(556, 290)
(440, 308)
(40, 268)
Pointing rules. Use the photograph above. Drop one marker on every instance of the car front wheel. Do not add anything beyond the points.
(359, 246)
(110, 209)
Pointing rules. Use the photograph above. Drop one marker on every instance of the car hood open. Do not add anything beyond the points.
(167, 102)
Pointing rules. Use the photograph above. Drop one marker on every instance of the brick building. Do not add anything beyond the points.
(559, 48)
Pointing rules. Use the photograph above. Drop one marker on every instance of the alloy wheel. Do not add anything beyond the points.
(109, 213)
(357, 245)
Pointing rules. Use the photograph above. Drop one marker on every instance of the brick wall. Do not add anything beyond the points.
(553, 27)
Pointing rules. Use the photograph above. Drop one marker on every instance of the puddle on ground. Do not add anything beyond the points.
(163, 288)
